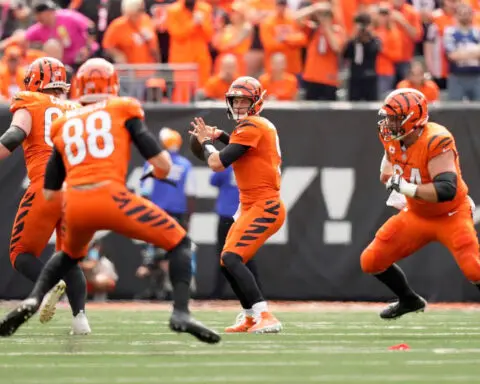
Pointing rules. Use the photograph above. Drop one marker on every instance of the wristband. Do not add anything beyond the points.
(208, 148)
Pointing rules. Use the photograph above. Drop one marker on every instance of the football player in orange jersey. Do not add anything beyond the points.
(91, 154)
(421, 163)
(253, 150)
(34, 110)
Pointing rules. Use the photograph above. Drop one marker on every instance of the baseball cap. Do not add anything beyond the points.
(43, 5)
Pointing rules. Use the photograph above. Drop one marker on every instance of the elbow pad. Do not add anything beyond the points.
(13, 137)
(446, 186)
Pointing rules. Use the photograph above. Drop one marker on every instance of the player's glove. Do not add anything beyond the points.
(399, 184)
(149, 173)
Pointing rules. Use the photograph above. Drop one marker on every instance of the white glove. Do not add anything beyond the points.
(397, 200)
(399, 184)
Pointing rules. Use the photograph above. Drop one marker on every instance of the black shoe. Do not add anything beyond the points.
(10, 323)
(182, 322)
(400, 308)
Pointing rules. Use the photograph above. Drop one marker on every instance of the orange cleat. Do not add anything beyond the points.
(242, 325)
(266, 323)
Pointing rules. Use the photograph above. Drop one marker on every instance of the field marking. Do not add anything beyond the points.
(210, 364)
(254, 379)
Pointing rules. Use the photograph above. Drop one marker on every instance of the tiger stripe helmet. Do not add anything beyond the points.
(246, 87)
(46, 73)
(96, 79)
(403, 111)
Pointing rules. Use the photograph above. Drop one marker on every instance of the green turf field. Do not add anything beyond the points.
(326, 346)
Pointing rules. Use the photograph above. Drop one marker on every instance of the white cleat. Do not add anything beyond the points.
(80, 325)
(47, 309)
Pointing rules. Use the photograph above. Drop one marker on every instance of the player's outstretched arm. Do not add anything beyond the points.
(54, 175)
(14, 136)
(149, 147)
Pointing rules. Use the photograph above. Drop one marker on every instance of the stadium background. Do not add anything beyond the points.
(331, 159)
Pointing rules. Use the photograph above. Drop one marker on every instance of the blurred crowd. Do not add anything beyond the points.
(299, 49)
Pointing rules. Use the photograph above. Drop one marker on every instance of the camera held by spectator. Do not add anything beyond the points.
(364, 33)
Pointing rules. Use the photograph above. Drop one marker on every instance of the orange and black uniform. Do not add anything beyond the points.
(449, 222)
(92, 144)
(37, 218)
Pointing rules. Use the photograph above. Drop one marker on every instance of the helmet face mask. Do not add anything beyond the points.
(242, 90)
(403, 112)
(391, 127)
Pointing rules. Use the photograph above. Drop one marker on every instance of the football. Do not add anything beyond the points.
(196, 148)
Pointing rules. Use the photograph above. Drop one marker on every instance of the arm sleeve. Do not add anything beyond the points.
(224, 138)
(231, 153)
(55, 172)
(143, 139)
(13, 137)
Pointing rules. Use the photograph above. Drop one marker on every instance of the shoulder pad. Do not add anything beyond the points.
(25, 100)
(439, 143)
(130, 107)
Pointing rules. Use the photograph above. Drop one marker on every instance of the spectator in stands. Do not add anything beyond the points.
(235, 38)
(462, 46)
(257, 10)
(218, 84)
(190, 26)
(278, 82)
(322, 62)
(362, 51)
(408, 21)
(67, 26)
(99, 272)
(281, 33)
(418, 79)
(54, 48)
(391, 49)
(132, 39)
(12, 72)
(11, 14)
(434, 51)
(101, 12)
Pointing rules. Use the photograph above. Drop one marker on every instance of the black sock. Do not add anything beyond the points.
(29, 266)
(236, 289)
(180, 271)
(76, 289)
(55, 269)
(243, 277)
(252, 266)
(395, 279)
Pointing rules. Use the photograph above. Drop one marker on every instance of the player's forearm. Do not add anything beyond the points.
(4, 152)
(427, 192)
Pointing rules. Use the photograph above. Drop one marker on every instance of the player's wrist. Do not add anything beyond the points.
(408, 189)
(208, 148)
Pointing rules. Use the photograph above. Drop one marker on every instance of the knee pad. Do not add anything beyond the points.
(230, 260)
(369, 262)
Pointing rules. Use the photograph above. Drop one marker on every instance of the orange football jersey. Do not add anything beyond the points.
(37, 147)
(413, 165)
(93, 140)
(258, 171)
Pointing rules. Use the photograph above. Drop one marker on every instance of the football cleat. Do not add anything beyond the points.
(400, 308)
(20, 315)
(266, 323)
(47, 309)
(242, 324)
(182, 322)
(80, 325)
